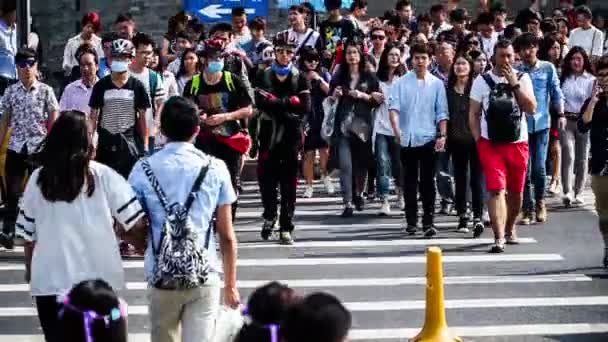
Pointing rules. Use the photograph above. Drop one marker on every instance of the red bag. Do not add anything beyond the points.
(239, 142)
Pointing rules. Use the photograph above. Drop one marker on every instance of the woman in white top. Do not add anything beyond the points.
(577, 86)
(189, 66)
(386, 149)
(586, 35)
(67, 217)
(91, 24)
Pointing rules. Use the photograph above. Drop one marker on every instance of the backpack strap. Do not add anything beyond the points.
(153, 79)
(489, 81)
(196, 186)
(229, 81)
(196, 83)
(156, 186)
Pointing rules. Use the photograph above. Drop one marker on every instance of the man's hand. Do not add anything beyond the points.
(217, 119)
(440, 144)
(507, 71)
(561, 123)
(232, 298)
(378, 97)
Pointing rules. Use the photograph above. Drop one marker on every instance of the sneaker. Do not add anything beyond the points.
(498, 247)
(371, 196)
(554, 188)
(267, 228)
(329, 185)
(567, 200)
(308, 192)
(462, 225)
(400, 199)
(478, 228)
(429, 231)
(359, 203)
(6, 241)
(348, 211)
(385, 210)
(411, 229)
(526, 218)
(285, 238)
(446, 209)
(512, 240)
(541, 212)
(578, 201)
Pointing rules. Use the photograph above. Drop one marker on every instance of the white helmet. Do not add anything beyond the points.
(122, 47)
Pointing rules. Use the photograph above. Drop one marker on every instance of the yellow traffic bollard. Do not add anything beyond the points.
(435, 326)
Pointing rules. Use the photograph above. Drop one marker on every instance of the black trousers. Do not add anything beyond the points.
(18, 164)
(48, 314)
(466, 160)
(232, 159)
(419, 177)
(278, 167)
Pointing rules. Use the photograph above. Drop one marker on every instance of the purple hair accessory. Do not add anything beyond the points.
(274, 332)
(89, 316)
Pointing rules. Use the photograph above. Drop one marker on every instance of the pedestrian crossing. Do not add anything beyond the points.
(546, 288)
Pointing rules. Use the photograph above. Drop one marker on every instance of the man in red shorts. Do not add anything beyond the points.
(499, 100)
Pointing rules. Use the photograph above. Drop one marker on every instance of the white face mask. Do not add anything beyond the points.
(119, 66)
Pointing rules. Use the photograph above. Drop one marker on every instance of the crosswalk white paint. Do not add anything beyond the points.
(397, 305)
(407, 333)
(372, 282)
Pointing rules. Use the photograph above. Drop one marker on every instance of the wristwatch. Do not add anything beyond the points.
(515, 87)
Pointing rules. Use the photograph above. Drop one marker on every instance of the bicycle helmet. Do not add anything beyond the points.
(122, 47)
(213, 48)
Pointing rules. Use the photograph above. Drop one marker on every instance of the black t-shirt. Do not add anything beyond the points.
(598, 135)
(119, 106)
(219, 98)
(332, 32)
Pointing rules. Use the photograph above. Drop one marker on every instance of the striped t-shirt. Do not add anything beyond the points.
(119, 106)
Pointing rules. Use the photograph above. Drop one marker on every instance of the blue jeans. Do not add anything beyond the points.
(537, 171)
(388, 164)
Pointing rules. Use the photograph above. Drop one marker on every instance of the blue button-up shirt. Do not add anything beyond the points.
(546, 88)
(421, 105)
(8, 50)
(176, 167)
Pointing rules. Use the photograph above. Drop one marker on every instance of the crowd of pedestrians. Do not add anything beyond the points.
(146, 145)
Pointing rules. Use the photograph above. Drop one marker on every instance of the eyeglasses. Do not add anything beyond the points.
(378, 37)
(28, 63)
(285, 51)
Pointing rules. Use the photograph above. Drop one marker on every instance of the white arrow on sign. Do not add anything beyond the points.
(216, 11)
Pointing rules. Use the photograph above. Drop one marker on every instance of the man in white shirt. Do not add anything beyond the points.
(298, 34)
(184, 42)
(586, 35)
(487, 35)
(91, 24)
(144, 49)
(241, 31)
(503, 152)
(358, 11)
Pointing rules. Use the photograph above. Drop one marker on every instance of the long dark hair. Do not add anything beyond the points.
(545, 45)
(93, 297)
(344, 72)
(182, 68)
(309, 53)
(452, 78)
(567, 68)
(383, 69)
(65, 159)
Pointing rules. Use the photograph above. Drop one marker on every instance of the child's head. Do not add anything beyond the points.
(92, 312)
(266, 309)
(320, 317)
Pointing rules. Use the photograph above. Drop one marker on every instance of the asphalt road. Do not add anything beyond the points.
(549, 288)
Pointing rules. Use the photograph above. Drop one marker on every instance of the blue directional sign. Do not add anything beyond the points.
(319, 5)
(210, 11)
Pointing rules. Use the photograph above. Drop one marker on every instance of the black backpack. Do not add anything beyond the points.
(503, 115)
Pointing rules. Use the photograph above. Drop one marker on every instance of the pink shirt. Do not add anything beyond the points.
(76, 97)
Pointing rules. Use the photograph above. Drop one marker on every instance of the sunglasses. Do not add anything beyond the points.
(28, 63)
(312, 61)
(285, 51)
(378, 37)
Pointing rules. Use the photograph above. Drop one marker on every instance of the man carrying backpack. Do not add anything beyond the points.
(283, 98)
(499, 99)
(182, 188)
(223, 102)
(547, 91)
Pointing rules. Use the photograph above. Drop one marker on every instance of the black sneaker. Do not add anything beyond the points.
(348, 212)
(267, 228)
(411, 229)
(463, 224)
(478, 228)
(429, 231)
(7, 241)
(359, 203)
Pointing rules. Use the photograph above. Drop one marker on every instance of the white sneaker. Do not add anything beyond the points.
(385, 210)
(485, 217)
(329, 186)
(400, 199)
(308, 192)
(578, 201)
(567, 200)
